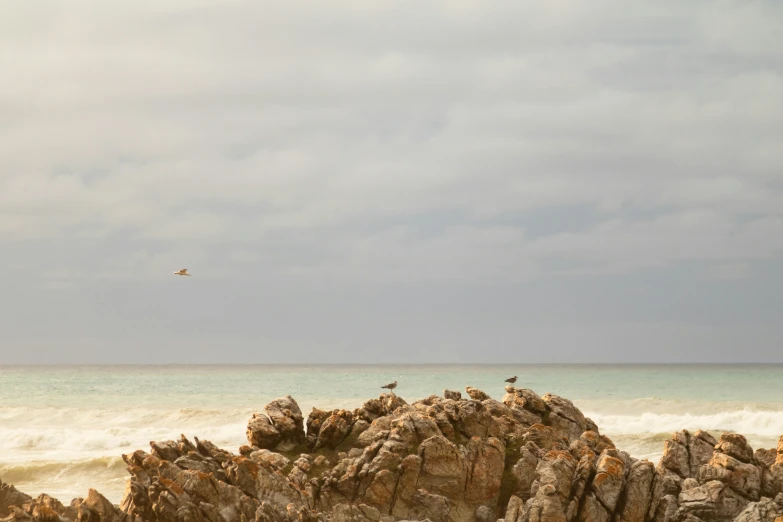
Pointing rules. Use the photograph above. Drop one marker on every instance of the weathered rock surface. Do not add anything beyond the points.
(526, 458)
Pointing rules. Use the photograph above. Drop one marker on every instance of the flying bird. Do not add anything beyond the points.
(390, 387)
(183, 272)
(512, 380)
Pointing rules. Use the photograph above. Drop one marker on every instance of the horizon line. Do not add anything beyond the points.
(354, 364)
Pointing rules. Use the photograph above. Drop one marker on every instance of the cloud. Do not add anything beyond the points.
(437, 143)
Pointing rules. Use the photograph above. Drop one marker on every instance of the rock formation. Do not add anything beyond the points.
(523, 459)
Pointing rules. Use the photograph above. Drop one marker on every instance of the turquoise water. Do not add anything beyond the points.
(63, 429)
(218, 386)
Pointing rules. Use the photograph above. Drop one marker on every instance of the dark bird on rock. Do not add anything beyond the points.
(512, 380)
(390, 387)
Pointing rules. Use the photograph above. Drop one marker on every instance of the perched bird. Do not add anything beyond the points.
(183, 272)
(390, 387)
(512, 380)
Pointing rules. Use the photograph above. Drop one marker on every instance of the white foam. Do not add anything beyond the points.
(746, 422)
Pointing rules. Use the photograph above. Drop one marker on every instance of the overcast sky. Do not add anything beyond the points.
(391, 181)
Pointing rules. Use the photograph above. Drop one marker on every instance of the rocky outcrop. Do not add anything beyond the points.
(526, 458)
(282, 428)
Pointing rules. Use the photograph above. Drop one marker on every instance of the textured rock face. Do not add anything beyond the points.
(525, 459)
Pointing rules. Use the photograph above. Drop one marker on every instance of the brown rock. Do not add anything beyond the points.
(700, 448)
(452, 395)
(592, 510)
(711, 501)
(413, 428)
(743, 478)
(274, 460)
(525, 399)
(635, 501)
(736, 446)
(764, 457)
(334, 429)
(765, 510)
(608, 481)
(314, 422)
(546, 437)
(546, 506)
(409, 472)
(443, 469)
(287, 419)
(485, 464)
(261, 433)
(476, 394)
(675, 455)
(429, 506)
(10, 496)
(472, 419)
(97, 508)
(168, 450)
(556, 469)
(524, 471)
(381, 490)
(565, 417)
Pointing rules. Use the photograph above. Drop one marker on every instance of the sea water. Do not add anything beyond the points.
(64, 429)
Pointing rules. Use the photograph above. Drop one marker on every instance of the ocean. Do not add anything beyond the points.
(64, 429)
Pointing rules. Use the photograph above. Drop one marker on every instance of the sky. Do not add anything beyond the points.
(447, 181)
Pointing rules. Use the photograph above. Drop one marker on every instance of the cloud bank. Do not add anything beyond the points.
(436, 181)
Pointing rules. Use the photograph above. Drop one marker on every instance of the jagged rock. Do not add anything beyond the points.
(261, 433)
(665, 510)
(675, 455)
(764, 457)
(413, 428)
(10, 496)
(528, 459)
(286, 417)
(700, 448)
(546, 506)
(96, 508)
(443, 469)
(743, 478)
(546, 437)
(525, 399)
(608, 481)
(476, 394)
(314, 422)
(168, 450)
(485, 464)
(736, 446)
(556, 469)
(765, 510)
(275, 460)
(472, 419)
(334, 429)
(409, 472)
(452, 395)
(685, 453)
(429, 506)
(565, 417)
(635, 501)
(524, 471)
(711, 501)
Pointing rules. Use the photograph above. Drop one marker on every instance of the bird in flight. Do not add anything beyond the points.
(183, 272)
(512, 380)
(390, 387)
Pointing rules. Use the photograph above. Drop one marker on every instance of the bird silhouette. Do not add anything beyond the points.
(390, 387)
(512, 380)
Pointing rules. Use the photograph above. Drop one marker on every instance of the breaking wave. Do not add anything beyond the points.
(64, 451)
(747, 422)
